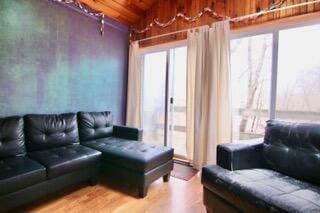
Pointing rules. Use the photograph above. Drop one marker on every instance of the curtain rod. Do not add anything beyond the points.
(254, 15)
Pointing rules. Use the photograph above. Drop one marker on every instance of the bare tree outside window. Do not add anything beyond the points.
(298, 77)
(250, 71)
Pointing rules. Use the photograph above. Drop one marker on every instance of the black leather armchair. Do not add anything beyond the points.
(280, 173)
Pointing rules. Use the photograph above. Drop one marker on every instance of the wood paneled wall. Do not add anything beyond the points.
(166, 9)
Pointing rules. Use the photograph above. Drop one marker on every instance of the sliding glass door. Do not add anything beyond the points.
(177, 109)
(164, 99)
(154, 97)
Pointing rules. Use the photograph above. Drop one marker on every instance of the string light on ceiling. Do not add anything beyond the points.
(206, 10)
(275, 6)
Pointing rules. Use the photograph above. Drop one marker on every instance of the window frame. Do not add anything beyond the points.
(265, 28)
(162, 47)
(274, 30)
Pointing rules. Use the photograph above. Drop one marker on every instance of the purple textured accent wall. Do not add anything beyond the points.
(54, 60)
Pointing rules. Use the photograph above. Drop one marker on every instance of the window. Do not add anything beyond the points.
(298, 84)
(275, 75)
(250, 68)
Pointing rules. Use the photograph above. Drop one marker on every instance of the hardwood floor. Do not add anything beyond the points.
(175, 196)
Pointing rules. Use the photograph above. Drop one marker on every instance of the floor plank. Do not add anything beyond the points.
(175, 196)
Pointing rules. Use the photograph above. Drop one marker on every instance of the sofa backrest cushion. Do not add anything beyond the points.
(293, 149)
(95, 125)
(11, 137)
(48, 131)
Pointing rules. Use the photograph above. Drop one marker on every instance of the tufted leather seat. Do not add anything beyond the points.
(129, 154)
(66, 159)
(19, 172)
(265, 188)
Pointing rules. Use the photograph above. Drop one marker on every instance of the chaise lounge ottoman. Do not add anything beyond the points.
(124, 156)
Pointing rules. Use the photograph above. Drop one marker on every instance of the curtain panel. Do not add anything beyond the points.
(134, 104)
(209, 120)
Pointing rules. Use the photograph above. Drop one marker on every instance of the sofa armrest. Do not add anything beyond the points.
(241, 155)
(126, 132)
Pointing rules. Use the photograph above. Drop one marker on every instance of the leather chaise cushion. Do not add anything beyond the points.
(293, 149)
(62, 160)
(94, 125)
(133, 155)
(264, 188)
(19, 172)
(48, 131)
(11, 137)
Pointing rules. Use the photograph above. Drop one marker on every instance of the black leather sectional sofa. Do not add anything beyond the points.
(278, 174)
(41, 154)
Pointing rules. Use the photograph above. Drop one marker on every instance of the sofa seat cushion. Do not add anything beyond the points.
(133, 155)
(62, 160)
(19, 172)
(262, 187)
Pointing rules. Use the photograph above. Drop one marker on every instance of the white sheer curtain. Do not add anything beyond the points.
(134, 87)
(208, 94)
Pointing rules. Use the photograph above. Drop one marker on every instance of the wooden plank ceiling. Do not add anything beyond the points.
(125, 11)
